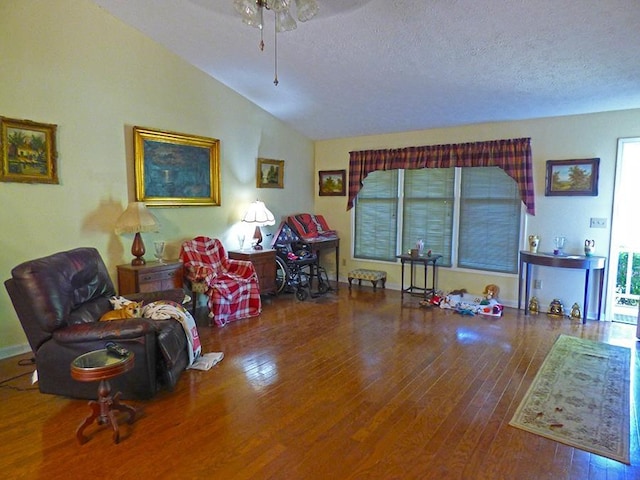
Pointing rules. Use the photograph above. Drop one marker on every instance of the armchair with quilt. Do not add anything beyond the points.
(231, 285)
(59, 300)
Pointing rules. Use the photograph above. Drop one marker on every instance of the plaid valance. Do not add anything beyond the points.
(512, 155)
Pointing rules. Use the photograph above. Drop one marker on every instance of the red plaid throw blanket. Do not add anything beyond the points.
(233, 288)
(310, 226)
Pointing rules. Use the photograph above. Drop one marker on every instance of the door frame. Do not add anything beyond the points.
(614, 232)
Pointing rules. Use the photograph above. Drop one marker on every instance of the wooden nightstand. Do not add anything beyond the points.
(151, 277)
(264, 261)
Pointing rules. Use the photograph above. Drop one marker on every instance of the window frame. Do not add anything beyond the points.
(457, 199)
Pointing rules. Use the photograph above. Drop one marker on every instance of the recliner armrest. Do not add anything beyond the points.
(112, 330)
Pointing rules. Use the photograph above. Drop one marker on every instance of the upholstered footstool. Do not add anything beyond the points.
(374, 276)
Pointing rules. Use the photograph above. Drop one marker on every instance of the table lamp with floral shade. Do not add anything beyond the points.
(137, 219)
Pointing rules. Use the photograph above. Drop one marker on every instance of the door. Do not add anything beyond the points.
(624, 264)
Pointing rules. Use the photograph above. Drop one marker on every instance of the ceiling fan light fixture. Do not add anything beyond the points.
(246, 8)
(277, 6)
(306, 9)
(284, 21)
(252, 13)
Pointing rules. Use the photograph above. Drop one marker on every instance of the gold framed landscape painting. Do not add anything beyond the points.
(270, 173)
(28, 151)
(174, 169)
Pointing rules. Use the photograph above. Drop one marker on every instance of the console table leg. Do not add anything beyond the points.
(586, 295)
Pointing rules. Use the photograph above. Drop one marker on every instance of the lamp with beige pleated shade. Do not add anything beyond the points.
(259, 215)
(136, 219)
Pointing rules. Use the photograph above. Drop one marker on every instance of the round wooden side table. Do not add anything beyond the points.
(101, 365)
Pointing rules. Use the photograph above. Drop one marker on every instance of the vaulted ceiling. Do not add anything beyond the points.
(363, 67)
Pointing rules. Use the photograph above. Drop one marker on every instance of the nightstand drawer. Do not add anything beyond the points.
(264, 261)
(151, 277)
(155, 276)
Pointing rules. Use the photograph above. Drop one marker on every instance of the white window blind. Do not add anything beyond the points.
(490, 209)
(428, 210)
(488, 230)
(376, 226)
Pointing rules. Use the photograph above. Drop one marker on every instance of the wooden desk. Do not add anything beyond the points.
(425, 261)
(582, 262)
(318, 244)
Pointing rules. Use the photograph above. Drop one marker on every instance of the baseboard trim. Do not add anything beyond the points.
(14, 350)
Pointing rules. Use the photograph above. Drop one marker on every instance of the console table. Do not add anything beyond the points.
(424, 260)
(588, 264)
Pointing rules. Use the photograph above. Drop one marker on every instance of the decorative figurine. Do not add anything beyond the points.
(533, 306)
(575, 311)
(556, 308)
(589, 247)
(534, 241)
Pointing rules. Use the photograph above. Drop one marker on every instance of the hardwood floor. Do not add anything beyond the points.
(351, 385)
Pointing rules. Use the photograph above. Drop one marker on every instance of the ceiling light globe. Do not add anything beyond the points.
(306, 9)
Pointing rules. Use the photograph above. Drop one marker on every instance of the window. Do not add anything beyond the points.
(429, 195)
(490, 209)
(471, 216)
(376, 217)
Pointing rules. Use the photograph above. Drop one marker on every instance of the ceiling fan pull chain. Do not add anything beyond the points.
(275, 57)
(261, 27)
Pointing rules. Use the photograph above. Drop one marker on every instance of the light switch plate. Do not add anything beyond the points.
(598, 222)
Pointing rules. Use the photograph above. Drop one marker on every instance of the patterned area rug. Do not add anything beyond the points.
(580, 397)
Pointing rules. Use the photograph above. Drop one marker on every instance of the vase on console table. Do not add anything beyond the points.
(589, 247)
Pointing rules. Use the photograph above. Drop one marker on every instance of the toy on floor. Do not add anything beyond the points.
(491, 291)
(432, 299)
(468, 304)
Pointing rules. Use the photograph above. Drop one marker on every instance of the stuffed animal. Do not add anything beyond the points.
(491, 291)
(130, 310)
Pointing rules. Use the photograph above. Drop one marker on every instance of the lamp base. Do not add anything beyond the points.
(257, 239)
(137, 250)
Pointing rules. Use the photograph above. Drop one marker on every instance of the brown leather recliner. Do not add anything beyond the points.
(59, 300)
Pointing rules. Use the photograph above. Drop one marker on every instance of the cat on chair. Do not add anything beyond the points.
(130, 310)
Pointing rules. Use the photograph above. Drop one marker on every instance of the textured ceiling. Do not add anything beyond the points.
(364, 67)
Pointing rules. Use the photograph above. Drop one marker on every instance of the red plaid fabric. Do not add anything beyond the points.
(512, 155)
(310, 226)
(233, 290)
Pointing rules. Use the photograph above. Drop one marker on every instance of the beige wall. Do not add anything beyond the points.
(70, 63)
(582, 136)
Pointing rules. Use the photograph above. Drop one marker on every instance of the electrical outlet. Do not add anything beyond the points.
(598, 222)
(537, 284)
